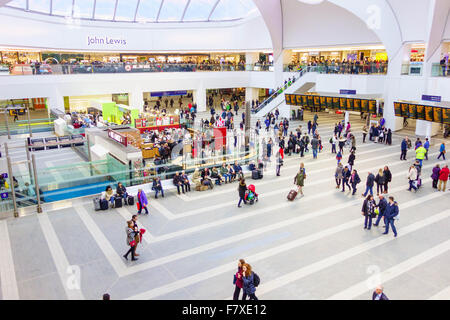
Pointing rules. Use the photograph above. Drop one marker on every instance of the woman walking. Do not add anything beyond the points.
(241, 189)
(300, 178)
(131, 234)
(238, 281)
(248, 279)
(380, 180)
(442, 151)
(338, 175)
(387, 178)
(142, 201)
(368, 211)
(435, 175)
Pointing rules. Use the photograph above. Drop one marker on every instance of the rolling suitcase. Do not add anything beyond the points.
(130, 200)
(96, 204)
(255, 175)
(103, 204)
(118, 202)
(292, 194)
(260, 173)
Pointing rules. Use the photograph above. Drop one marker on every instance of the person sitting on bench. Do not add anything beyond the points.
(157, 187)
(178, 182)
(185, 181)
(109, 194)
(238, 169)
(121, 191)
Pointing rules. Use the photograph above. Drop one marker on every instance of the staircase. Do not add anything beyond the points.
(304, 81)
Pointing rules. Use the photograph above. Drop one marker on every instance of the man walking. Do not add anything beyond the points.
(391, 214)
(382, 204)
(369, 184)
(426, 145)
(314, 146)
(404, 148)
(420, 154)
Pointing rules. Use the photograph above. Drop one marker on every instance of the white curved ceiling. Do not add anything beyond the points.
(141, 10)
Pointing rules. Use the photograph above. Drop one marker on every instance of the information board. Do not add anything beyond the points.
(343, 103)
(335, 103)
(329, 102)
(429, 114)
(323, 103)
(373, 106)
(298, 100)
(364, 105)
(357, 105)
(405, 109)
(304, 100)
(397, 109)
(446, 115)
(420, 112)
(412, 109)
(350, 104)
(437, 114)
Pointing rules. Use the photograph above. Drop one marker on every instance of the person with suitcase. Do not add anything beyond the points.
(122, 191)
(279, 164)
(109, 195)
(300, 178)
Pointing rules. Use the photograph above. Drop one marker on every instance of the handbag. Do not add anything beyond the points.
(132, 243)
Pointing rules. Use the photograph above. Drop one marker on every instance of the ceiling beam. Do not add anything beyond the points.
(137, 8)
(213, 8)
(115, 9)
(184, 11)
(159, 10)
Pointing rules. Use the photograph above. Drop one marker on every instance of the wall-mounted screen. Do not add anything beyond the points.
(373, 106)
(335, 103)
(304, 100)
(405, 109)
(323, 103)
(343, 103)
(364, 105)
(446, 115)
(397, 109)
(350, 104)
(412, 109)
(357, 105)
(437, 114)
(329, 102)
(429, 114)
(420, 112)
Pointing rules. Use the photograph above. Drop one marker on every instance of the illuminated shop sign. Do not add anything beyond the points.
(105, 40)
(118, 137)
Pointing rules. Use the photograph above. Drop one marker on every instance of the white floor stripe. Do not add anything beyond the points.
(59, 257)
(393, 272)
(347, 254)
(8, 280)
(115, 260)
(229, 267)
(442, 295)
(250, 233)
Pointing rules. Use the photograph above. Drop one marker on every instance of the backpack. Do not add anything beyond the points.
(331, 140)
(256, 279)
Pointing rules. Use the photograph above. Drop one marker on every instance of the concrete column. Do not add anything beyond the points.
(251, 94)
(56, 101)
(392, 84)
(284, 58)
(136, 100)
(426, 128)
(250, 59)
(200, 99)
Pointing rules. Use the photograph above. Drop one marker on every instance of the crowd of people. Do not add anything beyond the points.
(352, 66)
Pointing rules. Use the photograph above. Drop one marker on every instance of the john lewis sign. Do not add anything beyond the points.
(106, 41)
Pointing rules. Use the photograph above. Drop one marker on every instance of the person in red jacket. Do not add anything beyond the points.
(443, 177)
(239, 283)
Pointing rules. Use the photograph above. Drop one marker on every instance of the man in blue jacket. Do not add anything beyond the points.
(390, 213)
(426, 145)
(369, 184)
(404, 148)
(382, 210)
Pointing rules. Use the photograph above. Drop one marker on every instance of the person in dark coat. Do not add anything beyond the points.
(435, 175)
(378, 294)
(351, 159)
(345, 177)
(391, 213)
(122, 191)
(380, 179)
(238, 281)
(157, 187)
(387, 178)
(369, 184)
(389, 137)
(404, 148)
(248, 279)
(382, 204)
(241, 189)
(354, 180)
(178, 182)
(368, 211)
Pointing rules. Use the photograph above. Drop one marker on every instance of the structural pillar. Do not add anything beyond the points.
(251, 94)
(136, 100)
(427, 128)
(284, 59)
(200, 99)
(250, 59)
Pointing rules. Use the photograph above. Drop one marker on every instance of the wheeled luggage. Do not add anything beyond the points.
(292, 194)
(96, 204)
(118, 202)
(260, 173)
(255, 175)
(130, 200)
(103, 204)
